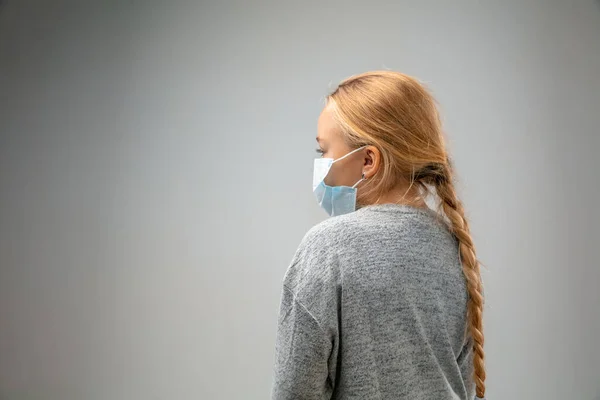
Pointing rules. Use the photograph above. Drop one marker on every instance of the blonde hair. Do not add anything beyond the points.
(396, 114)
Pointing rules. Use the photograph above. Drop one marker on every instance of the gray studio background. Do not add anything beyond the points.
(155, 180)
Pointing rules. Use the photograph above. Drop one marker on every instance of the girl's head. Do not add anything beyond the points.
(403, 158)
(397, 120)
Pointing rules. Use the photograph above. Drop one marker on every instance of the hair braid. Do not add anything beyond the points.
(454, 211)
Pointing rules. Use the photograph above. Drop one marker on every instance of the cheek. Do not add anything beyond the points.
(329, 179)
(346, 174)
(335, 176)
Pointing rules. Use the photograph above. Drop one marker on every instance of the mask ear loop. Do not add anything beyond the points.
(362, 178)
(349, 154)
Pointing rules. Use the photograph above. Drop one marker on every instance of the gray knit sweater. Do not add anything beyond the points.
(374, 307)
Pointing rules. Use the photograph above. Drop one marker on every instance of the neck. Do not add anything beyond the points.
(403, 195)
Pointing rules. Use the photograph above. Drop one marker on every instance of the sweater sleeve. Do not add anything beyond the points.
(302, 352)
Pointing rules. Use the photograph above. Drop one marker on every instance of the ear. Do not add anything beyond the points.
(372, 161)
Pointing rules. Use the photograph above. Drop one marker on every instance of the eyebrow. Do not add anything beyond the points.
(318, 139)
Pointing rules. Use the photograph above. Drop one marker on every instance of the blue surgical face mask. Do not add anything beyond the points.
(335, 200)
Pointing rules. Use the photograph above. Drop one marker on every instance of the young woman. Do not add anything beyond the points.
(383, 301)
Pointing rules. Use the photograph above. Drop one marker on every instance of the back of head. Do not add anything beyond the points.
(396, 114)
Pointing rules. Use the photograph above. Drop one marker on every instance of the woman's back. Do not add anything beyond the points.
(374, 307)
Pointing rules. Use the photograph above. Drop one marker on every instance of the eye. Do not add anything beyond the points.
(320, 151)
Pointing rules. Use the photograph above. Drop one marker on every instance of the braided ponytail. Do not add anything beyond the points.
(442, 179)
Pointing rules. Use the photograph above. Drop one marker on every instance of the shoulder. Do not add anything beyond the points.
(316, 261)
(331, 232)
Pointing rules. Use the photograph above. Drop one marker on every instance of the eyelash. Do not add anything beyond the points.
(321, 152)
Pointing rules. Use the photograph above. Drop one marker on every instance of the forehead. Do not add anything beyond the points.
(327, 126)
